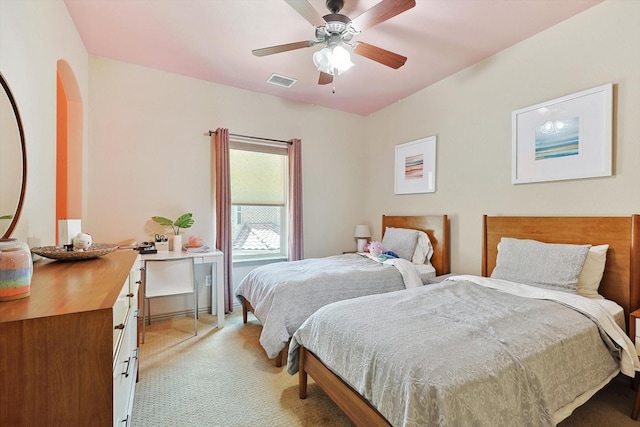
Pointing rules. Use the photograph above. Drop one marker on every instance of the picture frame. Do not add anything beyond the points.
(415, 166)
(565, 138)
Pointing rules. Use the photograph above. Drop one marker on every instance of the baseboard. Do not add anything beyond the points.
(176, 314)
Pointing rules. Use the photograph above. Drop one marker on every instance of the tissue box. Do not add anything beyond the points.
(162, 246)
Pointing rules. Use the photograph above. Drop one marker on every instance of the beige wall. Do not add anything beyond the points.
(470, 113)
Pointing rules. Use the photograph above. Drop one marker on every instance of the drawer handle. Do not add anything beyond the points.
(126, 371)
(125, 421)
(139, 282)
(120, 326)
(130, 295)
(136, 351)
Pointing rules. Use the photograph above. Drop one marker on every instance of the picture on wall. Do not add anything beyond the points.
(415, 167)
(565, 138)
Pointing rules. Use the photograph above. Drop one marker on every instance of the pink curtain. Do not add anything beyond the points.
(296, 247)
(223, 212)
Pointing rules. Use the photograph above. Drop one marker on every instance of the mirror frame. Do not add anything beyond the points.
(23, 187)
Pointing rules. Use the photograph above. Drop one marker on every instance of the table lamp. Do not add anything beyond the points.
(362, 234)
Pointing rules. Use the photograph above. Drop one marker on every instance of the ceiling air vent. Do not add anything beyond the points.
(278, 80)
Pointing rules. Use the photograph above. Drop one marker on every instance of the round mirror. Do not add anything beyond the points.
(13, 162)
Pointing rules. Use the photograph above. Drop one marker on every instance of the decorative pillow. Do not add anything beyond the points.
(402, 241)
(553, 266)
(592, 271)
(424, 249)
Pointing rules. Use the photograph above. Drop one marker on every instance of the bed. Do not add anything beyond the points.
(506, 359)
(283, 295)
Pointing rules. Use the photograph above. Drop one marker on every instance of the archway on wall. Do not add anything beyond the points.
(69, 158)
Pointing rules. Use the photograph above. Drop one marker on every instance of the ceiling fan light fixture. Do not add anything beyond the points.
(328, 60)
(322, 59)
(336, 30)
(341, 59)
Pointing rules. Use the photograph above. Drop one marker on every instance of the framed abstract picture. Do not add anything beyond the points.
(416, 166)
(565, 138)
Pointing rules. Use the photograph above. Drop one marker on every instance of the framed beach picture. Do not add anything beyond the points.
(415, 166)
(565, 138)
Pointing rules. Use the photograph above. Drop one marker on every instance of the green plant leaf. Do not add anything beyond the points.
(165, 222)
(185, 221)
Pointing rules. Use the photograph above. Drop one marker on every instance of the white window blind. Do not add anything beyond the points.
(258, 178)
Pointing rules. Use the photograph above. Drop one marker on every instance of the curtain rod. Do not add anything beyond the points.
(213, 132)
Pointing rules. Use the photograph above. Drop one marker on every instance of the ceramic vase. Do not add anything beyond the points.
(16, 270)
(176, 242)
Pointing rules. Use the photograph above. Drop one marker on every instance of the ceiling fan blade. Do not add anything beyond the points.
(307, 11)
(382, 11)
(325, 78)
(380, 55)
(282, 48)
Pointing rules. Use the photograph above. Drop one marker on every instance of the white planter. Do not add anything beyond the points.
(176, 243)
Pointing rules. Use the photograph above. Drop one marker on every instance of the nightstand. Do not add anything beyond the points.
(634, 330)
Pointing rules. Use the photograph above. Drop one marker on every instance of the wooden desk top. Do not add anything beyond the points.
(64, 287)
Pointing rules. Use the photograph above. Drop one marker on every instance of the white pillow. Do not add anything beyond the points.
(592, 271)
(424, 249)
(402, 241)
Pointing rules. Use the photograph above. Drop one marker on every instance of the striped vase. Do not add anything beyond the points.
(16, 269)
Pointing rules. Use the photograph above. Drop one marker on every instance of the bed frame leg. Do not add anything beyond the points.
(244, 310)
(280, 358)
(302, 374)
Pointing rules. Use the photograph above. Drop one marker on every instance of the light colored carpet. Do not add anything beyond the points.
(223, 378)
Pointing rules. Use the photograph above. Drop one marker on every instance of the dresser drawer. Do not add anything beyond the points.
(120, 313)
(124, 373)
(135, 279)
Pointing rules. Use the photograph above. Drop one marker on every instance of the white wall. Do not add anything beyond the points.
(34, 35)
(470, 113)
(149, 155)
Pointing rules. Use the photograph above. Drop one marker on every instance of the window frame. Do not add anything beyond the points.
(276, 149)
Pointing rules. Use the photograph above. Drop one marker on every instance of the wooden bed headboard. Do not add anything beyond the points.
(436, 227)
(621, 280)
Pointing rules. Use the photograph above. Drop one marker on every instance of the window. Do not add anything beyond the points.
(259, 175)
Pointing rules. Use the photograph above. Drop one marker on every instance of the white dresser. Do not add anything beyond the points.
(69, 351)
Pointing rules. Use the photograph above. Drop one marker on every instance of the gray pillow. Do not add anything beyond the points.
(402, 241)
(546, 265)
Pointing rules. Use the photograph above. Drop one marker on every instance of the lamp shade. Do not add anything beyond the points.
(362, 231)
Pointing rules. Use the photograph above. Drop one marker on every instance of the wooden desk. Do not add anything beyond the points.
(213, 257)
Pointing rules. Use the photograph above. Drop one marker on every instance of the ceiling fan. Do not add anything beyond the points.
(335, 31)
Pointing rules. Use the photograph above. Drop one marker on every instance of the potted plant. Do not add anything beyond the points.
(184, 221)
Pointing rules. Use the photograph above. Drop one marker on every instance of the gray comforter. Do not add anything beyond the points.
(458, 353)
(284, 294)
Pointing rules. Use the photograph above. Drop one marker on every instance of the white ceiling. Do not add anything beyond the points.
(212, 40)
